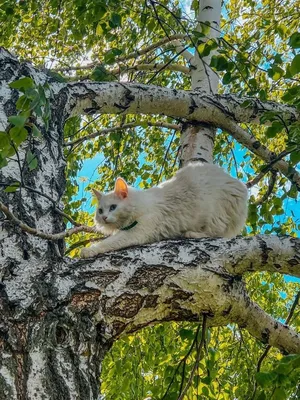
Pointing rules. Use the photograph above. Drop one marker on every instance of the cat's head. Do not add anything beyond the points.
(114, 209)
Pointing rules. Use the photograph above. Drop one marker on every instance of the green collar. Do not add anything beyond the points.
(126, 228)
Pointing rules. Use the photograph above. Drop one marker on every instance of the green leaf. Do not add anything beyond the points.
(219, 63)
(205, 27)
(265, 378)
(186, 333)
(18, 135)
(3, 161)
(23, 103)
(17, 120)
(275, 72)
(295, 65)
(295, 157)
(279, 394)
(23, 83)
(12, 188)
(275, 128)
(31, 160)
(246, 103)
(204, 49)
(294, 40)
(116, 20)
(58, 77)
(36, 132)
(101, 74)
(4, 141)
(226, 78)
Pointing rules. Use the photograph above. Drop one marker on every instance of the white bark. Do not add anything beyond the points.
(203, 77)
(197, 140)
(194, 105)
(222, 111)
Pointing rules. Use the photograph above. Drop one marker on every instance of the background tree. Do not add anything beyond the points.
(59, 316)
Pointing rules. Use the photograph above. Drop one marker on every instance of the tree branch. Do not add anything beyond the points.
(121, 127)
(179, 280)
(223, 111)
(269, 190)
(150, 67)
(40, 234)
(134, 54)
(267, 349)
(274, 161)
(134, 98)
(198, 358)
(185, 53)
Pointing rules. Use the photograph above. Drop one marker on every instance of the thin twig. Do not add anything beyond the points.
(167, 64)
(183, 360)
(165, 158)
(120, 127)
(56, 209)
(198, 358)
(271, 185)
(135, 54)
(267, 168)
(43, 235)
(267, 349)
(151, 67)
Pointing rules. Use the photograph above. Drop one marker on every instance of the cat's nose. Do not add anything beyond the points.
(104, 218)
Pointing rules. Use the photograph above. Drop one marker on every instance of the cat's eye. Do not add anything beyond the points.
(100, 211)
(112, 207)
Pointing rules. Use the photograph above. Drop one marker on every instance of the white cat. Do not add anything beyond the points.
(201, 200)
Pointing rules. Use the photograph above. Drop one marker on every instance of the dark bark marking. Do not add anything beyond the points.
(61, 335)
(264, 251)
(127, 305)
(102, 279)
(256, 145)
(150, 301)
(158, 274)
(293, 262)
(118, 327)
(193, 106)
(178, 295)
(265, 335)
(225, 312)
(201, 257)
(87, 300)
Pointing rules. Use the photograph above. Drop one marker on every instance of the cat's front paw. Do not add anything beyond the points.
(88, 252)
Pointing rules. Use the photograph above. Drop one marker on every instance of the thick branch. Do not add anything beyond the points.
(223, 111)
(131, 98)
(179, 280)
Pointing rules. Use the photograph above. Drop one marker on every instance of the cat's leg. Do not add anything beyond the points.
(120, 240)
(195, 235)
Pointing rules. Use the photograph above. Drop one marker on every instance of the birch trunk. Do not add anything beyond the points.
(197, 140)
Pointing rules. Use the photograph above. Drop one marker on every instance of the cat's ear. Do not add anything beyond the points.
(97, 194)
(121, 188)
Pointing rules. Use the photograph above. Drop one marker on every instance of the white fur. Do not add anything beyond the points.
(201, 200)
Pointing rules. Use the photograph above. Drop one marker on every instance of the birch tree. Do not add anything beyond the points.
(150, 86)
